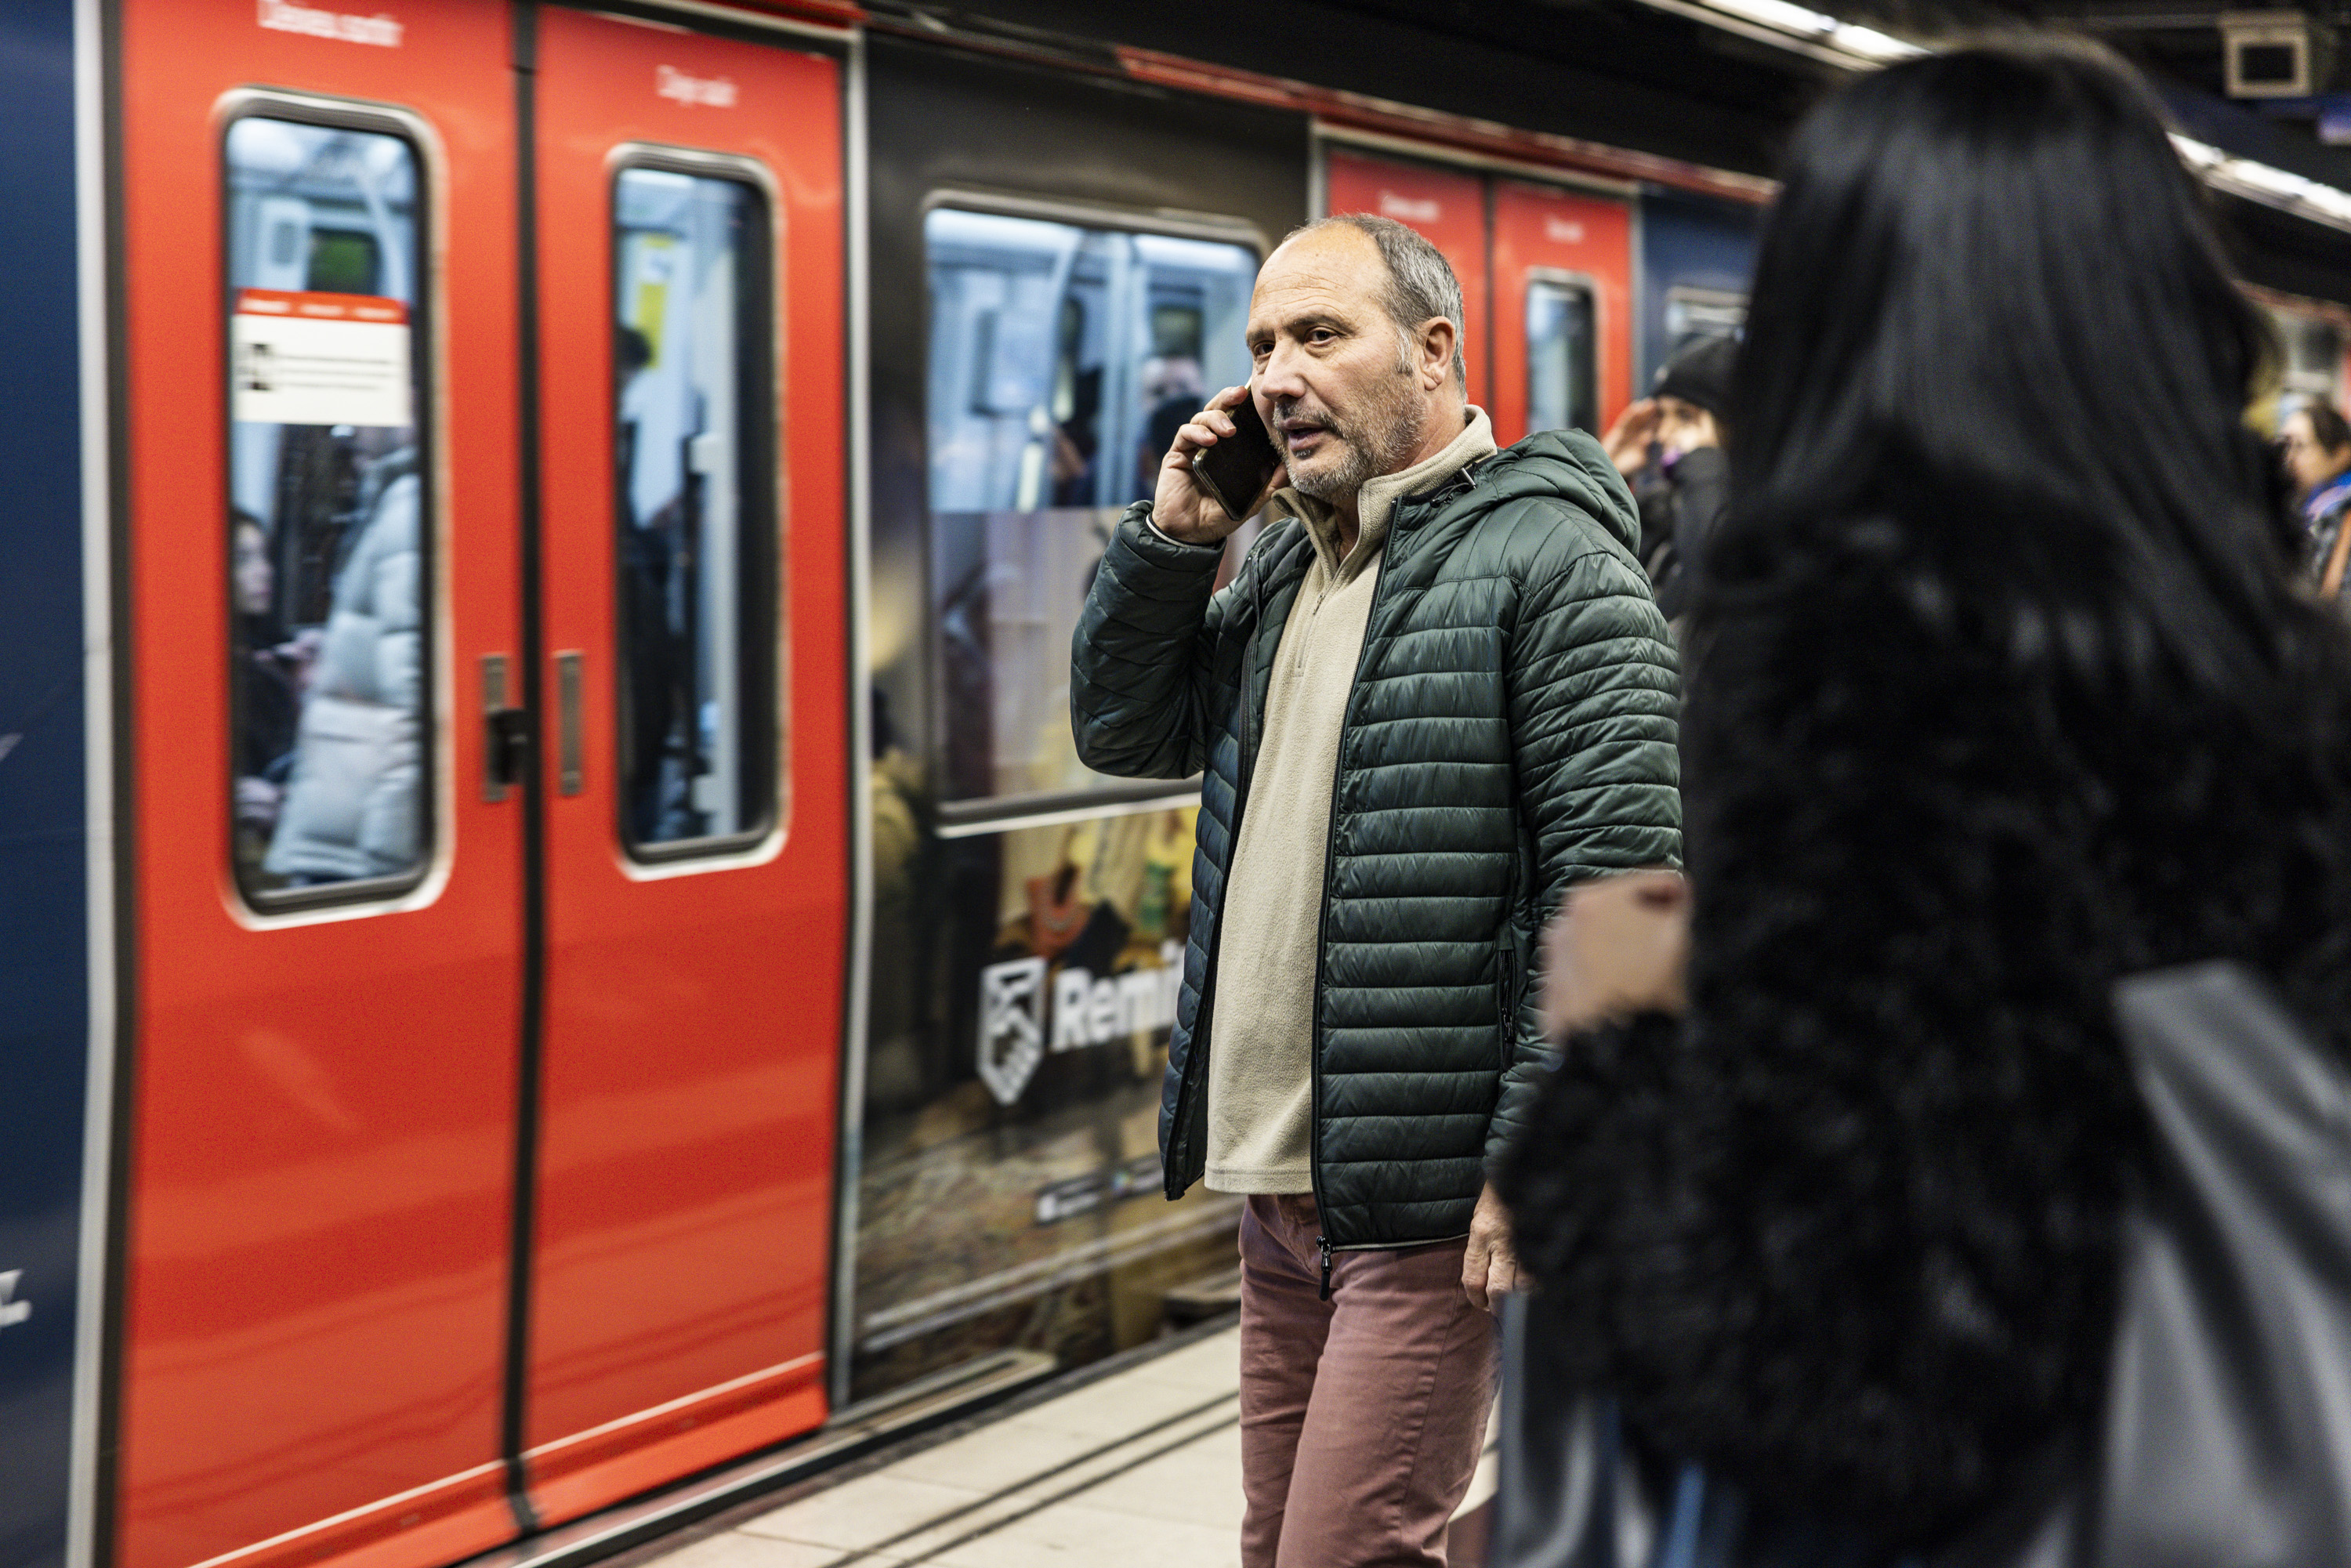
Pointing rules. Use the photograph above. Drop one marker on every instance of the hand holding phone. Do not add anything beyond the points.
(1218, 472)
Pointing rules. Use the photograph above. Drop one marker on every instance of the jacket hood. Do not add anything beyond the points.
(1568, 465)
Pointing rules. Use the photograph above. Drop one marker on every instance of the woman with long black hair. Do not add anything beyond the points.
(1999, 691)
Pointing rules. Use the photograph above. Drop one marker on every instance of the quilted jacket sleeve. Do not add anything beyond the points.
(1140, 663)
(1594, 691)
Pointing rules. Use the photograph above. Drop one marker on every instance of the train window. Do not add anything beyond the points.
(330, 536)
(2312, 353)
(1062, 358)
(695, 444)
(1563, 356)
(1693, 313)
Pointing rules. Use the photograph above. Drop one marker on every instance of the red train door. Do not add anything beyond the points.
(690, 211)
(1563, 309)
(1449, 209)
(319, 319)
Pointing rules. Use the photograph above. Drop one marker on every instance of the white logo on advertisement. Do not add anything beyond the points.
(1085, 1011)
(11, 1310)
(1563, 231)
(285, 16)
(715, 92)
(1011, 1025)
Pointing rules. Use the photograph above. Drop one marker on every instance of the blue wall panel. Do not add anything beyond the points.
(1687, 241)
(44, 1007)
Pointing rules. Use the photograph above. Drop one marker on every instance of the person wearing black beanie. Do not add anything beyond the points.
(1668, 446)
(1698, 375)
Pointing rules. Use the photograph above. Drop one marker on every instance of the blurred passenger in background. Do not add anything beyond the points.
(2317, 448)
(1175, 386)
(2000, 690)
(352, 804)
(264, 689)
(656, 784)
(1668, 446)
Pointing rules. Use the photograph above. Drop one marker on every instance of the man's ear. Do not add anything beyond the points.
(1436, 345)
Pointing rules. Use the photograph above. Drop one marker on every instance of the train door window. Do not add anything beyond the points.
(330, 536)
(1062, 360)
(1695, 313)
(1562, 355)
(2312, 353)
(694, 435)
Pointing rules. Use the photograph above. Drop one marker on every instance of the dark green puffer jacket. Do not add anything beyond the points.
(1510, 731)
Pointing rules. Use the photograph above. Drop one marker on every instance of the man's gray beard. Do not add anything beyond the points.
(1391, 426)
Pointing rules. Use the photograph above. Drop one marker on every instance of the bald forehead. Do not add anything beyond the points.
(1338, 258)
(1331, 276)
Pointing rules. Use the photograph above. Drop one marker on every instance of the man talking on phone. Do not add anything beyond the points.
(1436, 695)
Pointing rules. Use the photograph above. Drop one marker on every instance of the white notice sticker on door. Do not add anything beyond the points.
(318, 358)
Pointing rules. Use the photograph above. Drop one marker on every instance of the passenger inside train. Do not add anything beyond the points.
(267, 670)
(693, 425)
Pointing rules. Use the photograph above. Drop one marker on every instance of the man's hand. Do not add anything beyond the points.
(1489, 1269)
(1616, 946)
(1627, 441)
(1180, 508)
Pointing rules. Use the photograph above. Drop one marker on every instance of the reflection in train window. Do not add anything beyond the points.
(1563, 356)
(1062, 361)
(694, 445)
(330, 514)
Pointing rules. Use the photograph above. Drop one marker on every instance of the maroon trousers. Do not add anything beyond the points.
(1362, 1417)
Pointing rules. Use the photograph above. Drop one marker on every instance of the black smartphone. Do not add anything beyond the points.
(1235, 470)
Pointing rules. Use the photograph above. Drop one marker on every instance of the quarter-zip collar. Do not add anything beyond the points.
(1375, 503)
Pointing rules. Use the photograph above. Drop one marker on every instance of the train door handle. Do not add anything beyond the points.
(569, 780)
(505, 732)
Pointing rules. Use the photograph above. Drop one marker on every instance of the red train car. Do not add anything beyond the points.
(484, 1105)
(487, 1103)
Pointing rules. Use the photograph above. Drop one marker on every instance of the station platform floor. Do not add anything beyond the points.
(1137, 1467)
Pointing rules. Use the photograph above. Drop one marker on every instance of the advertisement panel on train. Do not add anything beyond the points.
(1029, 914)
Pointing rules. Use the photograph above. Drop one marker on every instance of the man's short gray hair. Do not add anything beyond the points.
(1421, 284)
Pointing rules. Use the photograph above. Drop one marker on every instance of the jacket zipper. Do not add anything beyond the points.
(1465, 479)
(1196, 1062)
(1323, 914)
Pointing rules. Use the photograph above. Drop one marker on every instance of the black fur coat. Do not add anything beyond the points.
(1847, 1233)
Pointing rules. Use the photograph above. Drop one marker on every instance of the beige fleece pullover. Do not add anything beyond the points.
(1261, 1027)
